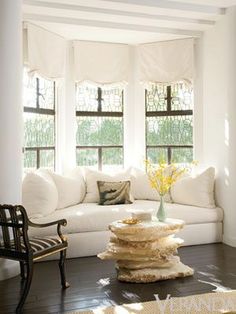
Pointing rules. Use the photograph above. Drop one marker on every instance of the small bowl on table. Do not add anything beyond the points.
(141, 214)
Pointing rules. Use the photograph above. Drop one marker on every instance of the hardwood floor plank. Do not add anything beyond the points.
(93, 282)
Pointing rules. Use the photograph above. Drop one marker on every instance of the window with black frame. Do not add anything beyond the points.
(39, 100)
(99, 137)
(169, 122)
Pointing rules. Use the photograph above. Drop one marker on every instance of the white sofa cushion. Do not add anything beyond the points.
(141, 188)
(70, 191)
(39, 195)
(92, 217)
(196, 191)
(77, 174)
(91, 178)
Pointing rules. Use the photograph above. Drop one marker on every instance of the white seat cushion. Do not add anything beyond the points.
(87, 217)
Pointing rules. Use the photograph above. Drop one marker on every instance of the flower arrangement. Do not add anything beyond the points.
(162, 177)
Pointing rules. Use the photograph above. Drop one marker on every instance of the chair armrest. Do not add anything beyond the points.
(59, 223)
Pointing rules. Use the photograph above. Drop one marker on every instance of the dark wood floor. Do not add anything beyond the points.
(93, 282)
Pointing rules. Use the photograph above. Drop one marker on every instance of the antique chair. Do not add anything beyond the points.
(16, 245)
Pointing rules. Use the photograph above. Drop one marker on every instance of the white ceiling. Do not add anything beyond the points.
(217, 3)
(125, 21)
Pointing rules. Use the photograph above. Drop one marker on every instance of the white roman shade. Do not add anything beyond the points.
(165, 62)
(101, 63)
(44, 52)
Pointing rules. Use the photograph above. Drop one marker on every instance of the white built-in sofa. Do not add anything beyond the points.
(48, 196)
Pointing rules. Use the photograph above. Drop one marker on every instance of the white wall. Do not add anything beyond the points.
(134, 116)
(219, 114)
(66, 119)
(129, 114)
(10, 113)
(198, 101)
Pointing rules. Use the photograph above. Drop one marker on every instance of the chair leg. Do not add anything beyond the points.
(27, 284)
(22, 270)
(64, 283)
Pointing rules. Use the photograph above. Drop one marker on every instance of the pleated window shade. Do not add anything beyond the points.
(101, 63)
(165, 62)
(44, 52)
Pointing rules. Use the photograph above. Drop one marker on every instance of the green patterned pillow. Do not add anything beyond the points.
(112, 193)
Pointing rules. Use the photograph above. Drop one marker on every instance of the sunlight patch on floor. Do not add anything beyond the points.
(130, 296)
(103, 282)
(219, 287)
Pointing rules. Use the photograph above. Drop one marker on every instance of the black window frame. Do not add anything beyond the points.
(42, 111)
(100, 113)
(165, 113)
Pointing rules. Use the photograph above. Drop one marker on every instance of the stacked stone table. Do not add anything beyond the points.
(146, 251)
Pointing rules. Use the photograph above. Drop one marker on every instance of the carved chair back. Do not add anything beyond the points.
(14, 241)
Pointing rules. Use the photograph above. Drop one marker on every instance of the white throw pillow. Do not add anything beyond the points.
(141, 188)
(39, 195)
(195, 191)
(70, 191)
(91, 178)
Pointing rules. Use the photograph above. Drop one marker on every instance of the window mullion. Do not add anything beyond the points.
(168, 98)
(100, 158)
(99, 99)
(37, 92)
(38, 157)
(169, 153)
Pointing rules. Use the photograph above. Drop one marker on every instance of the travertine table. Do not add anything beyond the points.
(146, 251)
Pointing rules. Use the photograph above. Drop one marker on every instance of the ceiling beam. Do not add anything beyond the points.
(174, 5)
(110, 25)
(156, 17)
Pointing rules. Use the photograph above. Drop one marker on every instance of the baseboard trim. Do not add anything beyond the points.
(8, 269)
(231, 241)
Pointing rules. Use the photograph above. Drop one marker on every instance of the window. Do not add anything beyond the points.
(39, 122)
(99, 137)
(169, 123)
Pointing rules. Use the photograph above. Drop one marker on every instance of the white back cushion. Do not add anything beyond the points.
(196, 191)
(70, 191)
(78, 174)
(91, 178)
(141, 188)
(39, 195)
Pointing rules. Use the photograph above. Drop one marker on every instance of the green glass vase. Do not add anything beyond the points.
(161, 214)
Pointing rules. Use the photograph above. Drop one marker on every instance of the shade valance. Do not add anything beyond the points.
(101, 63)
(44, 52)
(168, 61)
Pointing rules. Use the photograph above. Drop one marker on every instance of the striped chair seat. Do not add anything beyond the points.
(39, 244)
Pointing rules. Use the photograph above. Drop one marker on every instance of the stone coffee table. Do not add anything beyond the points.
(146, 251)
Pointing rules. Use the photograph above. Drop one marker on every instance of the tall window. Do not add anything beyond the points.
(39, 122)
(99, 137)
(169, 123)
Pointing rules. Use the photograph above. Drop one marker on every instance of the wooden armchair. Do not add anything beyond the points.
(16, 245)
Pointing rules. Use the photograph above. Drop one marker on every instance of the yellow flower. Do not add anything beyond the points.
(163, 175)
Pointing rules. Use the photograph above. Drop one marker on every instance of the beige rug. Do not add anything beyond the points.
(210, 303)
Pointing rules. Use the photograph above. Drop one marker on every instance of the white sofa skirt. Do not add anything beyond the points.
(91, 243)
